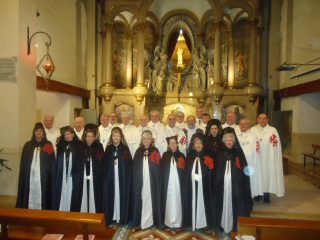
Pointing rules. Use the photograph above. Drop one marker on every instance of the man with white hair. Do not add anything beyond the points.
(250, 145)
(191, 128)
(52, 133)
(231, 122)
(271, 157)
(131, 133)
(199, 122)
(158, 127)
(173, 130)
(144, 119)
(104, 130)
(180, 120)
(79, 126)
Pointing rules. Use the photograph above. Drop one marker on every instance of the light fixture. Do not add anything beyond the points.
(45, 67)
(287, 67)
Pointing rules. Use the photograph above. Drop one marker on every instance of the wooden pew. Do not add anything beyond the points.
(56, 221)
(314, 155)
(276, 228)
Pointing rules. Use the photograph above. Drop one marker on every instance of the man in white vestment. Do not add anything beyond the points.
(104, 130)
(205, 118)
(199, 121)
(180, 120)
(144, 119)
(79, 126)
(172, 130)
(113, 120)
(52, 133)
(271, 157)
(158, 127)
(131, 133)
(250, 145)
(231, 122)
(191, 129)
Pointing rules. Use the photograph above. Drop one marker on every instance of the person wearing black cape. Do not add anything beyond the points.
(91, 171)
(200, 186)
(233, 186)
(172, 172)
(145, 187)
(117, 170)
(36, 177)
(213, 135)
(69, 171)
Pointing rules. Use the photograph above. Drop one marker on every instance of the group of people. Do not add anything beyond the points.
(195, 174)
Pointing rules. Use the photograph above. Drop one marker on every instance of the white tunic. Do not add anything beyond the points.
(173, 213)
(251, 147)
(66, 188)
(116, 208)
(146, 212)
(141, 129)
(80, 133)
(199, 219)
(105, 133)
(190, 132)
(182, 139)
(271, 159)
(84, 202)
(35, 182)
(234, 126)
(160, 140)
(132, 136)
(52, 135)
(227, 212)
(200, 124)
(182, 125)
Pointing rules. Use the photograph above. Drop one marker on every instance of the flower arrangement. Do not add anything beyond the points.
(208, 161)
(3, 164)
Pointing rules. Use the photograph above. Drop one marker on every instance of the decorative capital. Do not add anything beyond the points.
(140, 91)
(216, 92)
(106, 91)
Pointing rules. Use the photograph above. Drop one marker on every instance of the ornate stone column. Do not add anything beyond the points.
(140, 88)
(107, 89)
(253, 90)
(252, 53)
(259, 55)
(217, 90)
(129, 61)
(230, 60)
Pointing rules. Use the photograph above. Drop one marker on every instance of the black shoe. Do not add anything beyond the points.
(257, 198)
(266, 197)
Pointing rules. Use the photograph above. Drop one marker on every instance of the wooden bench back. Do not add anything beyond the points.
(315, 148)
(275, 228)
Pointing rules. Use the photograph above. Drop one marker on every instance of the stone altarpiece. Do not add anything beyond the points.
(219, 63)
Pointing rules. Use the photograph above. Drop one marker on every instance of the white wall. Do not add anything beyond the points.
(306, 112)
(59, 105)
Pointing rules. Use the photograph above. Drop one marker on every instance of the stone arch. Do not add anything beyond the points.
(114, 11)
(209, 15)
(245, 5)
(184, 12)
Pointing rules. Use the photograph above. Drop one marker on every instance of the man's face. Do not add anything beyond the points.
(199, 112)
(171, 121)
(79, 124)
(154, 117)
(205, 119)
(191, 121)
(126, 119)
(144, 120)
(48, 122)
(244, 125)
(263, 120)
(104, 120)
(180, 117)
(113, 118)
(231, 118)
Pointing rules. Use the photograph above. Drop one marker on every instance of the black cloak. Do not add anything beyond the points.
(47, 161)
(241, 193)
(137, 182)
(208, 170)
(78, 158)
(125, 171)
(165, 172)
(95, 151)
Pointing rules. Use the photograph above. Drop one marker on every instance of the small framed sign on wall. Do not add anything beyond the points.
(8, 69)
